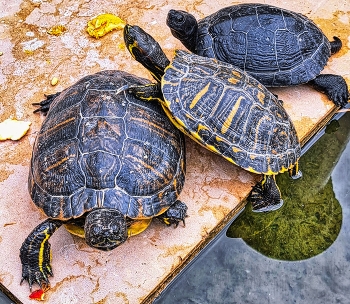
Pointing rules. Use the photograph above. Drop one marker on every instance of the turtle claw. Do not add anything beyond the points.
(45, 104)
(36, 277)
(334, 86)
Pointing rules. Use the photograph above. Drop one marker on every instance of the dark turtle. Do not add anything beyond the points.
(103, 160)
(223, 109)
(276, 46)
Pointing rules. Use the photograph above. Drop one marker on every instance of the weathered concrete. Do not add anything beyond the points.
(214, 188)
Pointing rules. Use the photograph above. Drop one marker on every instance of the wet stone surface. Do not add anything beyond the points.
(31, 58)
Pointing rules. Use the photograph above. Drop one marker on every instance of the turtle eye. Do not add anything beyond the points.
(179, 18)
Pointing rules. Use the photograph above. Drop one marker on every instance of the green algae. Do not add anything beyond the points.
(311, 217)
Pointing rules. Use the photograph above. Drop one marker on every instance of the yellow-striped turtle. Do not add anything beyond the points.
(223, 109)
(103, 160)
(276, 46)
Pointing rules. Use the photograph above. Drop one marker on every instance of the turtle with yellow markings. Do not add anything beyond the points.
(223, 109)
(104, 163)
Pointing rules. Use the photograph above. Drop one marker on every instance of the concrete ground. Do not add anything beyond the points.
(214, 188)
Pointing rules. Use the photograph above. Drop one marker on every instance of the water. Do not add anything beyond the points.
(308, 239)
(297, 254)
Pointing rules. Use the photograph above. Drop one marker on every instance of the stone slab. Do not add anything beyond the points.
(214, 189)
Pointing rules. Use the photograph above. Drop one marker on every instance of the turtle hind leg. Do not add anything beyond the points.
(334, 86)
(336, 45)
(35, 254)
(45, 104)
(176, 213)
(266, 196)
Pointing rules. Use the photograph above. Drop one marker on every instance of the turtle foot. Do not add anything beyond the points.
(37, 276)
(263, 199)
(175, 214)
(334, 86)
(35, 254)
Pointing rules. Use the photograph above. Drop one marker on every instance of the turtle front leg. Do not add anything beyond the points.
(45, 104)
(266, 195)
(175, 214)
(334, 86)
(35, 254)
(148, 92)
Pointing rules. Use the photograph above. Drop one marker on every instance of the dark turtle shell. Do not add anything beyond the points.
(276, 46)
(230, 113)
(99, 147)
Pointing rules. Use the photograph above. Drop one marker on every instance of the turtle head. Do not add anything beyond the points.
(184, 27)
(146, 50)
(105, 229)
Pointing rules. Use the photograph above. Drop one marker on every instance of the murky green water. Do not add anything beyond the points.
(309, 238)
(311, 217)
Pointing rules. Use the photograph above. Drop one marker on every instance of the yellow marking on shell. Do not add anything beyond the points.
(41, 250)
(154, 125)
(199, 96)
(233, 80)
(60, 124)
(235, 149)
(146, 166)
(250, 169)
(237, 74)
(261, 96)
(230, 160)
(202, 127)
(63, 160)
(233, 112)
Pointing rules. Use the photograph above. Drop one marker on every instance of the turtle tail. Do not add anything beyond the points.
(336, 45)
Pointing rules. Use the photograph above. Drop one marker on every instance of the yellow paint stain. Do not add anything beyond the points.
(232, 114)
(103, 24)
(57, 30)
(236, 150)
(199, 96)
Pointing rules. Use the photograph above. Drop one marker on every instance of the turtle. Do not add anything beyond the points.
(223, 109)
(104, 163)
(276, 46)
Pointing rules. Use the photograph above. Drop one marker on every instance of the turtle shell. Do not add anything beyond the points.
(99, 147)
(276, 46)
(230, 113)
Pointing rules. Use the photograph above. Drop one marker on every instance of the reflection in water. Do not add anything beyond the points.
(311, 217)
(229, 271)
